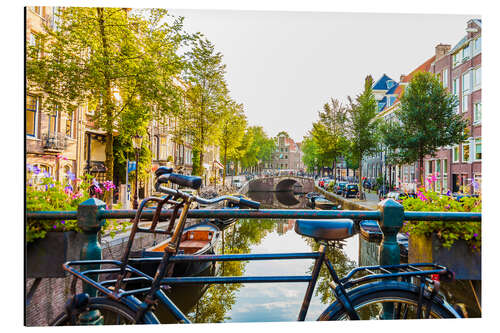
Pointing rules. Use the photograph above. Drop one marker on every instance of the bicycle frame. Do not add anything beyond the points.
(170, 257)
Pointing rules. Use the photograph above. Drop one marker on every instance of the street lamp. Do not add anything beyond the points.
(137, 143)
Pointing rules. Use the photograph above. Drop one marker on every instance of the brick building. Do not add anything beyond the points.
(459, 69)
(287, 156)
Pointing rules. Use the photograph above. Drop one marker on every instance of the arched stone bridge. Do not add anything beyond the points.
(279, 184)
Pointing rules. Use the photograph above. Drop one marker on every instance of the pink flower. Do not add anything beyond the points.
(97, 190)
(76, 195)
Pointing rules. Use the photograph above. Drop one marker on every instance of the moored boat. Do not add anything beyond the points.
(198, 239)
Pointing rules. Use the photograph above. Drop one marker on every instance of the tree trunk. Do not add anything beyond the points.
(108, 108)
(361, 193)
(225, 166)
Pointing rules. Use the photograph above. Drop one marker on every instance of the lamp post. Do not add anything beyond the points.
(137, 143)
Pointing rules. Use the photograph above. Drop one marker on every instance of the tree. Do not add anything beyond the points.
(311, 154)
(425, 122)
(205, 95)
(232, 130)
(112, 59)
(329, 132)
(258, 149)
(362, 126)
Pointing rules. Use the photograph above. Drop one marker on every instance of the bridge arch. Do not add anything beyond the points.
(279, 184)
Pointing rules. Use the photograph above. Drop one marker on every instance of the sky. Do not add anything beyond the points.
(284, 66)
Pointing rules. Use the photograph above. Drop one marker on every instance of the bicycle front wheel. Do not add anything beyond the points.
(112, 312)
(390, 300)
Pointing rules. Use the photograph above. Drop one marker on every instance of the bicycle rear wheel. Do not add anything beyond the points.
(402, 300)
(112, 312)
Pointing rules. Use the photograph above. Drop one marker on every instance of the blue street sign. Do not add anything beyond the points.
(131, 166)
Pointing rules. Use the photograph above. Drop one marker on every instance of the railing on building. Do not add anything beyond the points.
(54, 142)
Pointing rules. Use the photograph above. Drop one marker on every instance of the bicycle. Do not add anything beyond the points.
(374, 292)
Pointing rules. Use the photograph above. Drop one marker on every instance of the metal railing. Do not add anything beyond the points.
(54, 141)
(390, 216)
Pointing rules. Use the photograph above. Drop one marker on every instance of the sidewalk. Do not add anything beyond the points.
(370, 203)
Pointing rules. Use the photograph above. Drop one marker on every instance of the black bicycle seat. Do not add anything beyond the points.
(337, 229)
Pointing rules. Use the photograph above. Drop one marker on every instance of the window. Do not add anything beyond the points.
(477, 113)
(455, 59)
(163, 148)
(466, 82)
(35, 43)
(455, 152)
(445, 77)
(466, 152)
(69, 125)
(476, 46)
(53, 121)
(155, 148)
(438, 167)
(477, 150)
(455, 86)
(31, 115)
(466, 53)
(476, 78)
(445, 175)
(465, 103)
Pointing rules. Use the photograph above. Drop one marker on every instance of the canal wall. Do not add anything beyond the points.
(347, 204)
(52, 293)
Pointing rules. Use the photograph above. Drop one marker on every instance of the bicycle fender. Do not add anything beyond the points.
(134, 304)
(372, 288)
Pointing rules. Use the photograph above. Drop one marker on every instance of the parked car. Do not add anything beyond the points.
(339, 187)
(400, 196)
(350, 190)
(237, 183)
(321, 182)
(367, 184)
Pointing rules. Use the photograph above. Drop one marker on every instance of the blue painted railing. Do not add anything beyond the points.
(390, 216)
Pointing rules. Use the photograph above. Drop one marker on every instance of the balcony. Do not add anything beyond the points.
(54, 142)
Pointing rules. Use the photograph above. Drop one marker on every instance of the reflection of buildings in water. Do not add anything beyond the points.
(265, 198)
(286, 198)
(284, 226)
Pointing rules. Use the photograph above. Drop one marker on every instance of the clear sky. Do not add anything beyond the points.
(283, 66)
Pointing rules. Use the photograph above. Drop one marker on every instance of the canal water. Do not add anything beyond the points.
(264, 302)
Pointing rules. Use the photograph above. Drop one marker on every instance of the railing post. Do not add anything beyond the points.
(90, 223)
(392, 214)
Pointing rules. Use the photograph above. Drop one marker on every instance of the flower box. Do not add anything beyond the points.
(44, 257)
(465, 263)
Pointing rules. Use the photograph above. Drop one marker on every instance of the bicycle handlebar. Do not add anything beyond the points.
(241, 202)
(181, 180)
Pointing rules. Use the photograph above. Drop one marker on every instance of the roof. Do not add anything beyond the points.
(392, 90)
(464, 40)
(459, 44)
(424, 67)
(381, 84)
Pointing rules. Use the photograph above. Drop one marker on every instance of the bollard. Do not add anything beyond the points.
(391, 221)
(90, 223)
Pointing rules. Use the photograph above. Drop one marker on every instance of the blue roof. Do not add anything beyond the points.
(382, 103)
(391, 91)
(381, 84)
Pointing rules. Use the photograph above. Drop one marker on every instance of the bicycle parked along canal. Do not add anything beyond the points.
(408, 291)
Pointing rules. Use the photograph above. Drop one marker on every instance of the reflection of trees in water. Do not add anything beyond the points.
(219, 298)
(340, 262)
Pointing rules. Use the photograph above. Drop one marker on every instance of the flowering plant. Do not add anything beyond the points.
(43, 193)
(447, 232)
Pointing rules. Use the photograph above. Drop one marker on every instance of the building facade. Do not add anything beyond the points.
(287, 155)
(458, 168)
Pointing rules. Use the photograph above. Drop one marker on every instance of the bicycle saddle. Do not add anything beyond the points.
(325, 229)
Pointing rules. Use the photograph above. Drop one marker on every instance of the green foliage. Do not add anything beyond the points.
(256, 147)
(330, 186)
(46, 194)
(232, 129)
(329, 132)
(120, 63)
(362, 125)
(448, 232)
(206, 94)
(425, 122)
(311, 156)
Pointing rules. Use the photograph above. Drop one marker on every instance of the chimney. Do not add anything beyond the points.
(402, 78)
(441, 50)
